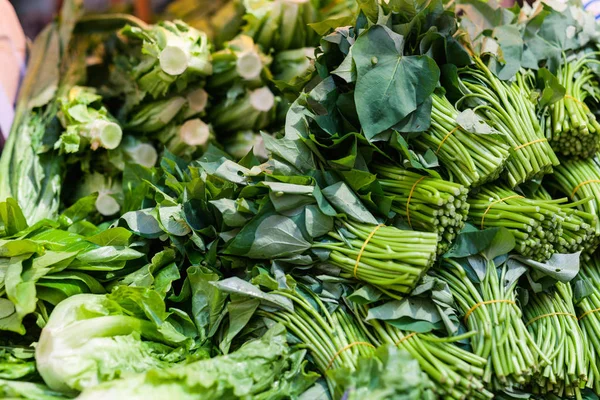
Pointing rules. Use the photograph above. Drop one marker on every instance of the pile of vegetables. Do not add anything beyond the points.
(306, 199)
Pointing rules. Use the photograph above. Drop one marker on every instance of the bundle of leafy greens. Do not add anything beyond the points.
(409, 324)
(570, 125)
(580, 180)
(483, 281)
(508, 109)
(426, 203)
(264, 368)
(552, 321)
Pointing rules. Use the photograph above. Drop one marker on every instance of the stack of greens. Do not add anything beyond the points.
(508, 109)
(570, 125)
(468, 148)
(426, 203)
(550, 319)
(535, 224)
(580, 180)
(483, 281)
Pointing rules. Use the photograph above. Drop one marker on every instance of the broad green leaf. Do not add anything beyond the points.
(390, 85)
(111, 237)
(207, 300)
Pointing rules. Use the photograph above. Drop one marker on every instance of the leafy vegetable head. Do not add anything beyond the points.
(94, 338)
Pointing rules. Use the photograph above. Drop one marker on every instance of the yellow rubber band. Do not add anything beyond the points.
(405, 338)
(583, 184)
(532, 320)
(412, 190)
(446, 137)
(585, 314)
(363, 248)
(343, 349)
(568, 96)
(485, 302)
(530, 143)
(496, 202)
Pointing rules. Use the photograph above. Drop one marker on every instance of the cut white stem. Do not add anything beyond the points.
(194, 132)
(262, 99)
(106, 204)
(173, 60)
(197, 100)
(105, 134)
(249, 65)
(143, 154)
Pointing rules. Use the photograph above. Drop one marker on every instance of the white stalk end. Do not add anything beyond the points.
(262, 99)
(194, 132)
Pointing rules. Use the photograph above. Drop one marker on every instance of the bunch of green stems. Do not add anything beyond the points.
(580, 180)
(490, 309)
(589, 317)
(470, 159)
(535, 224)
(579, 228)
(334, 339)
(569, 124)
(428, 204)
(457, 372)
(551, 320)
(507, 107)
(392, 259)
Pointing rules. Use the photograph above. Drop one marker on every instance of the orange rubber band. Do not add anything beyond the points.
(343, 349)
(585, 314)
(404, 338)
(532, 320)
(412, 190)
(530, 143)
(446, 137)
(485, 302)
(496, 202)
(363, 248)
(583, 184)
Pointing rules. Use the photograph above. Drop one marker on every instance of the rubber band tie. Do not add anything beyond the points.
(583, 184)
(412, 190)
(530, 143)
(360, 253)
(486, 302)
(340, 351)
(446, 137)
(399, 342)
(532, 320)
(585, 314)
(496, 202)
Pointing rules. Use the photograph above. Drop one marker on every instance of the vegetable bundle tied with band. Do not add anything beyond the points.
(588, 308)
(471, 156)
(569, 123)
(508, 109)
(392, 259)
(428, 204)
(551, 321)
(486, 295)
(580, 180)
(333, 337)
(535, 224)
(457, 372)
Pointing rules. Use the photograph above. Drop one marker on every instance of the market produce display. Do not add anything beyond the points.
(305, 199)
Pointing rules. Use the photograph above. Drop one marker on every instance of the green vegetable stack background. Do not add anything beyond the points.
(305, 199)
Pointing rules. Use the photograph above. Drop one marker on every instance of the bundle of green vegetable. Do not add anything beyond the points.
(389, 258)
(587, 302)
(483, 282)
(569, 124)
(328, 330)
(456, 372)
(580, 180)
(467, 147)
(551, 320)
(535, 224)
(579, 228)
(508, 109)
(426, 203)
